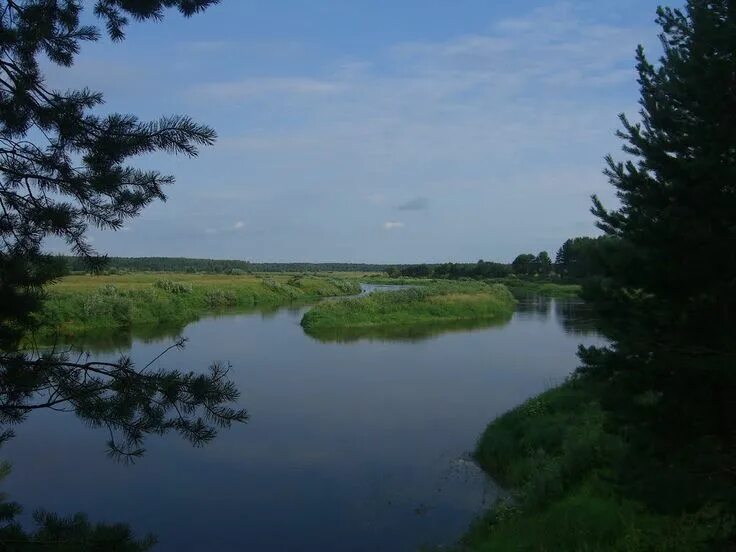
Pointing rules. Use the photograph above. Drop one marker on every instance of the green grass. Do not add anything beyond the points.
(517, 286)
(81, 304)
(548, 289)
(432, 303)
(566, 465)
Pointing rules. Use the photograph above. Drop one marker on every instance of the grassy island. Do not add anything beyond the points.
(435, 302)
(80, 304)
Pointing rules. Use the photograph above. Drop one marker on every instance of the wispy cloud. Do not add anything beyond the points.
(392, 225)
(476, 98)
(252, 88)
(416, 204)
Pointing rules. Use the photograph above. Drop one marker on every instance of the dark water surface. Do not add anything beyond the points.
(353, 443)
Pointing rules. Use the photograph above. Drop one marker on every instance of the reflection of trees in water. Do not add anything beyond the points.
(109, 341)
(575, 317)
(534, 307)
(409, 334)
(121, 339)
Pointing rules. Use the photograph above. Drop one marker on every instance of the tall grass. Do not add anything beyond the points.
(562, 457)
(429, 304)
(86, 303)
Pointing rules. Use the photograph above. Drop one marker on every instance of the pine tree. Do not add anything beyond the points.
(63, 168)
(668, 377)
(677, 218)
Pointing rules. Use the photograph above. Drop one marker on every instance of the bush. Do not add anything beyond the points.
(107, 306)
(170, 286)
(218, 298)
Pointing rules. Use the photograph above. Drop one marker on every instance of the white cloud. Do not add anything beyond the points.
(251, 88)
(543, 82)
(491, 126)
(392, 225)
(238, 225)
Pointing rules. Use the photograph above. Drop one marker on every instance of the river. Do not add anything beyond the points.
(353, 444)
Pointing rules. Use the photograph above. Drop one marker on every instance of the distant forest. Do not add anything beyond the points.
(578, 258)
(215, 266)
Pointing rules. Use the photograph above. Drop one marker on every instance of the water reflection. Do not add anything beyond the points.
(533, 307)
(115, 340)
(572, 314)
(122, 339)
(407, 334)
(359, 444)
(576, 317)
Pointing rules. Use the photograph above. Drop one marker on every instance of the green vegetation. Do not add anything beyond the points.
(517, 286)
(636, 451)
(212, 266)
(81, 304)
(520, 286)
(452, 271)
(582, 481)
(436, 302)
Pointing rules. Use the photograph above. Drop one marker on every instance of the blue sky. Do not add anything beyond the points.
(401, 131)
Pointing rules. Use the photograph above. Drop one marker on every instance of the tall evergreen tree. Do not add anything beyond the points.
(63, 168)
(677, 217)
(669, 263)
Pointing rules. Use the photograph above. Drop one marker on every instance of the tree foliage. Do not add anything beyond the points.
(63, 169)
(669, 267)
(215, 266)
(677, 190)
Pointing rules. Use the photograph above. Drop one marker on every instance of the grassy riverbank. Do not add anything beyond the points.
(517, 286)
(582, 482)
(79, 304)
(432, 303)
(548, 289)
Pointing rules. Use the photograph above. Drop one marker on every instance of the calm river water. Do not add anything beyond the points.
(353, 443)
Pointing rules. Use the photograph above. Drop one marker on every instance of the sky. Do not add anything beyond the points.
(376, 131)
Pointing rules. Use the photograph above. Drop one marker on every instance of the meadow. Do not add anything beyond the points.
(84, 303)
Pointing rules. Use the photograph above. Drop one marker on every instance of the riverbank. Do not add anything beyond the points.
(79, 304)
(431, 303)
(517, 286)
(581, 480)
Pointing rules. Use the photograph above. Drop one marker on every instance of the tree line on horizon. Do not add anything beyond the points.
(576, 260)
(211, 266)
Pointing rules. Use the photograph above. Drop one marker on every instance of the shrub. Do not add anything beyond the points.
(173, 287)
(218, 298)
